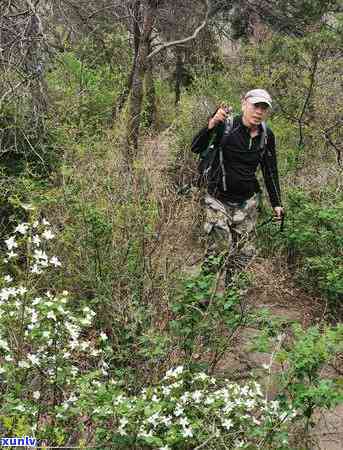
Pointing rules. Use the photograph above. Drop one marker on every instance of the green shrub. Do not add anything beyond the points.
(313, 240)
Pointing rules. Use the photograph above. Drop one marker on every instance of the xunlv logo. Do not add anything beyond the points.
(18, 442)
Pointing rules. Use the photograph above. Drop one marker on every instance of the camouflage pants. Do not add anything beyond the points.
(230, 228)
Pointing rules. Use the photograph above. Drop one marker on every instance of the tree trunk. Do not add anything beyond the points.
(136, 97)
(120, 102)
(150, 94)
(178, 75)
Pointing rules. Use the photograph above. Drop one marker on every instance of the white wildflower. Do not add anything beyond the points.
(178, 411)
(5, 294)
(154, 419)
(35, 269)
(11, 243)
(55, 261)
(23, 364)
(45, 222)
(40, 255)
(250, 403)
(11, 254)
(36, 395)
(8, 278)
(36, 240)
(227, 423)
(209, 400)
(173, 373)
(197, 396)
(166, 390)
(33, 358)
(21, 290)
(258, 389)
(201, 376)
(183, 421)
(245, 390)
(166, 420)
(47, 234)
(3, 344)
(187, 432)
(72, 398)
(123, 421)
(51, 315)
(22, 228)
(229, 406)
(103, 337)
(36, 300)
(74, 370)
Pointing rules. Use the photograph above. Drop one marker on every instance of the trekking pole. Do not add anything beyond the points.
(271, 219)
(282, 224)
(265, 222)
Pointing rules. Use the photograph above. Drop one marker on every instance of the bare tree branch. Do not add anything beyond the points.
(183, 41)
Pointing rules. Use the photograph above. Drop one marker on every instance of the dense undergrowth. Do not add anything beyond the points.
(84, 349)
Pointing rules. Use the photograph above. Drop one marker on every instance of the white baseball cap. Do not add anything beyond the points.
(259, 96)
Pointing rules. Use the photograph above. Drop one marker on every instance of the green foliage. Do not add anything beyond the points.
(313, 239)
(305, 359)
(203, 312)
(90, 92)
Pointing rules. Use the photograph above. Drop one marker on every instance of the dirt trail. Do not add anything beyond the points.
(272, 288)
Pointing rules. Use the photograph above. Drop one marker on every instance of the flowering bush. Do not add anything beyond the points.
(56, 379)
(185, 410)
(43, 334)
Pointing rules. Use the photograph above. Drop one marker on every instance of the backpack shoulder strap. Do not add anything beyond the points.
(264, 136)
(228, 126)
(263, 140)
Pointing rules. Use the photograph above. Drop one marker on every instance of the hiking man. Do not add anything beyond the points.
(232, 188)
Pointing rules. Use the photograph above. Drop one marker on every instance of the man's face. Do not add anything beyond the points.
(254, 113)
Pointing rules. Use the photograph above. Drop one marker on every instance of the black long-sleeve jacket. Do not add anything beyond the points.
(242, 155)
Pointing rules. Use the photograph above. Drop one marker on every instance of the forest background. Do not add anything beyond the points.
(103, 342)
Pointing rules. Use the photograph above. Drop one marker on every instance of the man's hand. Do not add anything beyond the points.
(219, 117)
(278, 212)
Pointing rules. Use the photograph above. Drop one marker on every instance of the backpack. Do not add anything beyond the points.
(211, 164)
